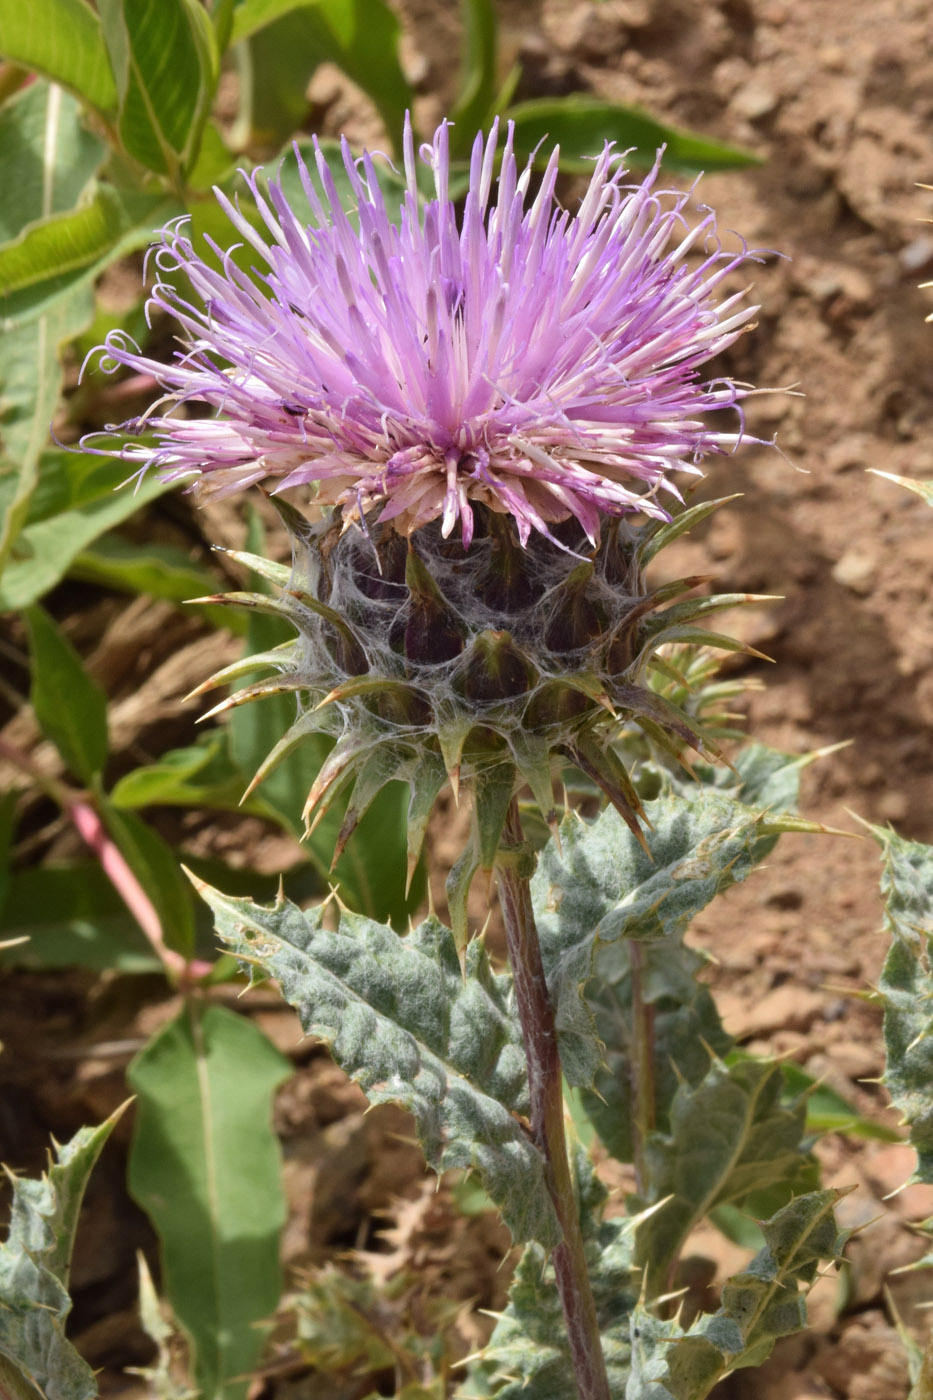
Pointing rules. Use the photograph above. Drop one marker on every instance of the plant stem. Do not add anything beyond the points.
(641, 1060)
(545, 1087)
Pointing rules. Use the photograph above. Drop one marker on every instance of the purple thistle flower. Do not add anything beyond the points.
(541, 362)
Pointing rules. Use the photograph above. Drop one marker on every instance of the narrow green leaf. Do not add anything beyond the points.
(359, 36)
(72, 917)
(30, 382)
(70, 708)
(402, 1019)
(34, 1264)
(129, 216)
(202, 775)
(166, 62)
(906, 987)
(156, 867)
(47, 155)
(61, 39)
(205, 1167)
(160, 570)
(64, 243)
(56, 531)
(581, 125)
(478, 78)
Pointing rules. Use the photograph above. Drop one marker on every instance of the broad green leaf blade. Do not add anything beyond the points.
(47, 155)
(359, 36)
(205, 1166)
(61, 39)
(604, 886)
(76, 499)
(70, 708)
(30, 383)
(478, 78)
(402, 1019)
(581, 125)
(527, 1355)
(166, 62)
(906, 987)
(73, 917)
(730, 1136)
(34, 1263)
(156, 867)
(764, 1303)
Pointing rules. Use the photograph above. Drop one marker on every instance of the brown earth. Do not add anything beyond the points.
(836, 97)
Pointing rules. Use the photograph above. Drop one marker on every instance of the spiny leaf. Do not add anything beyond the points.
(527, 1355)
(763, 1303)
(402, 1019)
(34, 1262)
(906, 987)
(603, 885)
(730, 1135)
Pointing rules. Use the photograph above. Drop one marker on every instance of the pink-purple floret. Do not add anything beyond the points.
(408, 363)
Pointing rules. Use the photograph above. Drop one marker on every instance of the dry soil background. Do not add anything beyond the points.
(836, 97)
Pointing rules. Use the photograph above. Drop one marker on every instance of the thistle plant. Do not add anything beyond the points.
(487, 419)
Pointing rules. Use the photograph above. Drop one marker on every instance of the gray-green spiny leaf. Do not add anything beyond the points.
(763, 1303)
(527, 1355)
(34, 1263)
(601, 885)
(906, 987)
(405, 1021)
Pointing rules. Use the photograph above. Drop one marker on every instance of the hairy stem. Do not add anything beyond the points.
(641, 1060)
(547, 1120)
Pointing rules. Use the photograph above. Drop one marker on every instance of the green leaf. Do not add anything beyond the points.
(47, 155)
(685, 1028)
(64, 243)
(120, 222)
(603, 886)
(160, 570)
(156, 867)
(34, 1264)
(76, 500)
(405, 1022)
(478, 78)
(763, 1303)
(359, 36)
(906, 987)
(527, 1355)
(205, 1167)
(63, 40)
(730, 1136)
(829, 1112)
(73, 917)
(201, 775)
(30, 383)
(166, 61)
(581, 125)
(70, 708)
(8, 804)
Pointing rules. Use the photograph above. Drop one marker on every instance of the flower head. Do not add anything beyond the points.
(409, 365)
